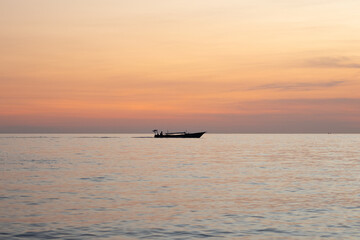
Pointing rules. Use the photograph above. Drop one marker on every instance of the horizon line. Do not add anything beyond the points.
(206, 133)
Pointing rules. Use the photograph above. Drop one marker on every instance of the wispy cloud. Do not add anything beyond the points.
(328, 104)
(331, 62)
(336, 107)
(299, 86)
(354, 102)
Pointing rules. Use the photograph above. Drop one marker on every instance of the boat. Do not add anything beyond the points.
(177, 134)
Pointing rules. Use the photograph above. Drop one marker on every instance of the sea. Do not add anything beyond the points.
(221, 186)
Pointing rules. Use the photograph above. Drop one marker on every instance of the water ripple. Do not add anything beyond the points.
(224, 186)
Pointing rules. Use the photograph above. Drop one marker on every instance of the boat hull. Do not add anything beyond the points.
(185, 135)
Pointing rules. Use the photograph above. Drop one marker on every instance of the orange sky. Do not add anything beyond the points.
(221, 66)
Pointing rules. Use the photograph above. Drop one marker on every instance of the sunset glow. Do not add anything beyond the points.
(221, 66)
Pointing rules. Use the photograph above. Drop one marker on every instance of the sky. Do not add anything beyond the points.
(231, 66)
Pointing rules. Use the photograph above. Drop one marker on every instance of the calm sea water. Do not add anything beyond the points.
(108, 186)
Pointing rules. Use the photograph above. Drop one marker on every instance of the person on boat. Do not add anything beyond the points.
(161, 133)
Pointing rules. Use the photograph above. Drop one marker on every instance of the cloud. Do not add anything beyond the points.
(299, 86)
(329, 103)
(355, 102)
(262, 116)
(339, 108)
(331, 62)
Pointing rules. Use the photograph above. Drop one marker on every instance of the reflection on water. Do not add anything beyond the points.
(132, 186)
